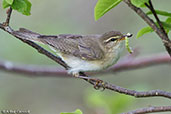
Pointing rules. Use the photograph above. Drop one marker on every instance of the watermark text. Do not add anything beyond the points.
(15, 111)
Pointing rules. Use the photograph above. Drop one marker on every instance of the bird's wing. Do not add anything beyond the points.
(76, 45)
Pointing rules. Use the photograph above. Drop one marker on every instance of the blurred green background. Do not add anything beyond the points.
(54, 95)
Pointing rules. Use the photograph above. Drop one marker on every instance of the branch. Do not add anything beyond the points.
(166, 41)
(150, 110)
(142, 62)
(150, 6)
(36, 46)
(9, 11)
(95, 82)
(129, 63)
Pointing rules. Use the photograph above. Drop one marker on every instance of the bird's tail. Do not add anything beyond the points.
(27, 34)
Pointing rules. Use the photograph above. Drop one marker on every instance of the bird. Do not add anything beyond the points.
(82, 53)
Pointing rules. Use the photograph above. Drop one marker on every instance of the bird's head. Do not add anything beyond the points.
(113, 39)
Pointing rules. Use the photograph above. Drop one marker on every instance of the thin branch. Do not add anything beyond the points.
(150, 6)
(95, 82)
(36, 46)
(9, 11)
(129, 63)
(121, 90)
(152, 93)
(33, 70)
(142, 62)
(166, 41)
(150, 110)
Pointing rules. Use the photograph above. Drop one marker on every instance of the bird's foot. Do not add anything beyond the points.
(98, 84)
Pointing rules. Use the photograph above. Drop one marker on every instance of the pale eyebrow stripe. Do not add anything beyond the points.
(110, 39)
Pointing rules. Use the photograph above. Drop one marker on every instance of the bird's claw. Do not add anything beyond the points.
(99, 84)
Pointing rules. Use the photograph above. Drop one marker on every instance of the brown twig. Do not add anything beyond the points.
(92, 81)
(9, 11)
(129, 63)
(150, 110)
(166, 41)
(36, 46)
(141, 62)
(150, 6)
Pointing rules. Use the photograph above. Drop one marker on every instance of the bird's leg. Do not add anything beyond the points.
(97, 82)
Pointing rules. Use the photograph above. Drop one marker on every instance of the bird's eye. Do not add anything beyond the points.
(113, 39)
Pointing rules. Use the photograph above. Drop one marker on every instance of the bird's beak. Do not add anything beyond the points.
(127, 35)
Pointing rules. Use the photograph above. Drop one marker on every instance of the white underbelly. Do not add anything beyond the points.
(78, 64)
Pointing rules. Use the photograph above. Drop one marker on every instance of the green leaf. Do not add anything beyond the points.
(78, 111)
(166, 25)
(23, 6)
(168, 20)
(163, 13)
(139, 3)
(5, 4)
(9, 1)
(104, 6)
(144, 31)
(111, 104)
